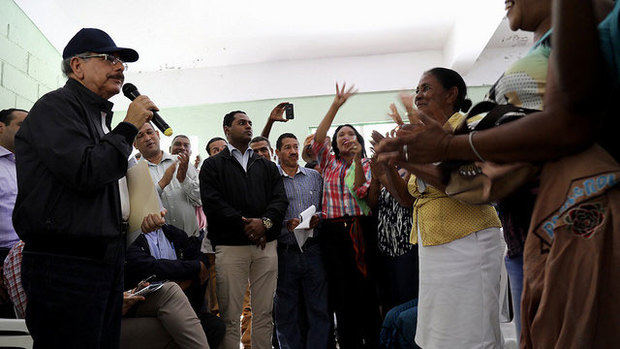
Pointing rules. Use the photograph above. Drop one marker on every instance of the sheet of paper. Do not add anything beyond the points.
(305, 217)
(142, 197)
(302, 231)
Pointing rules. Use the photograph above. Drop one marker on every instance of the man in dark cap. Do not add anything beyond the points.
(72, 203)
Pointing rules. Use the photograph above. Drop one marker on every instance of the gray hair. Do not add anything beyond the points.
(65, 67)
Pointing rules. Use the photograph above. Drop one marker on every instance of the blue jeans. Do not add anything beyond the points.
(514, 268)
(73, 302)
(398, 328)
(301, 271)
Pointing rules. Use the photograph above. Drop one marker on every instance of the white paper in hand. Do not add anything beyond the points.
(302, 231)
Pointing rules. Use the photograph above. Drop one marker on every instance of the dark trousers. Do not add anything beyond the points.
(214, 328)
(301, 272)
(352, 296)
(73, 302)
(398, 279)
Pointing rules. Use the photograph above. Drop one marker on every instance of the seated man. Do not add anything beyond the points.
(162, 319)
(169, 254)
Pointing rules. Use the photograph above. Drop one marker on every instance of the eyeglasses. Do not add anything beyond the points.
(113, 60)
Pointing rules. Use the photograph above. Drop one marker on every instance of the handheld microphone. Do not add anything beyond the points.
(131, 91)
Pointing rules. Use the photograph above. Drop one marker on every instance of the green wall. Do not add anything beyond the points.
(203, 122)
(29, 64)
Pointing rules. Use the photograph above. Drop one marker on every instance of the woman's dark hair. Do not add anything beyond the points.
(359, 137)
(448, 78)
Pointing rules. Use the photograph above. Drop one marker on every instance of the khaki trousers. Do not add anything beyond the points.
(234, 267)
(165, 319)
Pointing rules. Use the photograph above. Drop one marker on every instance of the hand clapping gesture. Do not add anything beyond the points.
(183, 165)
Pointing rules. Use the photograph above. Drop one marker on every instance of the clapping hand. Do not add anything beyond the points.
(407, 100)
(183, 165)
(427, 142)
(377, 169)
(395, 115)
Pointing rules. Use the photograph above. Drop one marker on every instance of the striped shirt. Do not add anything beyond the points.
(302, 190)
(337, 198)
(8, 194)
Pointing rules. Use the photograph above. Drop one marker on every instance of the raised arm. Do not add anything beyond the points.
(573, 107)
(397, 186)
(578, 58)
(277, 114)
(541, 136)
(340, 98)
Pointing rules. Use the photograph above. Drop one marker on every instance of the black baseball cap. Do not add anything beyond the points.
(97, 41)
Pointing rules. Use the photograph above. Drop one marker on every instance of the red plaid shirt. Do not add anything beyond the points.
(13, 279)
(337, 199)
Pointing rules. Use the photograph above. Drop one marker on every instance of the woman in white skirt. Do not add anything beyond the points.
(460, 249)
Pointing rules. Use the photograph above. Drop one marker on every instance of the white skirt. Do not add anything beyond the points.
(458, 305)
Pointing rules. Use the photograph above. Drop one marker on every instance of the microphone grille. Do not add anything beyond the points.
(129, 90)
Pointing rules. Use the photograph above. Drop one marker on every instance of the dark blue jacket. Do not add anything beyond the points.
(68, 170)
(228, 193)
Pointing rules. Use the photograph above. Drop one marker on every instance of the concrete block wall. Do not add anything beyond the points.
(29, 64)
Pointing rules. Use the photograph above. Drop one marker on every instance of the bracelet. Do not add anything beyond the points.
(471, 144)
(405, 150)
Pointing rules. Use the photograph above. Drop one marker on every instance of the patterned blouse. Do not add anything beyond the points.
(394, 226)
(337, 198)
(522, 85)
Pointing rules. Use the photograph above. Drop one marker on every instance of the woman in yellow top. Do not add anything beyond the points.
(461, 251)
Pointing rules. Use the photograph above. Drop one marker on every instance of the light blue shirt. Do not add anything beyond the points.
(303, 190)
(160, 246)
(8, 194)
(241, 158)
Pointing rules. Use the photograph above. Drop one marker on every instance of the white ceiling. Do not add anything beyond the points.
(222, 38)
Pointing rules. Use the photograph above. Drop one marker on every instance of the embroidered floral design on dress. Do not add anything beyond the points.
(584, 219)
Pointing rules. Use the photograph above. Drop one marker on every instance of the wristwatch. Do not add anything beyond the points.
(267, 223)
